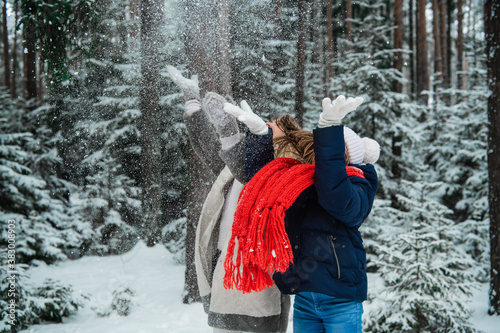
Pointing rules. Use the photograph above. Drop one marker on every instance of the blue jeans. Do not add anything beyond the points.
(315, 312)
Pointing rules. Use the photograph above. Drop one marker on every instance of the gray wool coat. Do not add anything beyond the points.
(265, 311)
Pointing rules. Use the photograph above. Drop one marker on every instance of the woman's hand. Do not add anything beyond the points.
(334, 112)
(189, 87)
(245, 114)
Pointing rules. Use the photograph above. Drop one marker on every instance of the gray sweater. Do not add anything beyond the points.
(265, 311)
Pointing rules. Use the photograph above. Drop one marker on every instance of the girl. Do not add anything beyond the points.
(321, 208)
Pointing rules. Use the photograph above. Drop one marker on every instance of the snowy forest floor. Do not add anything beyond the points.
(157, 282)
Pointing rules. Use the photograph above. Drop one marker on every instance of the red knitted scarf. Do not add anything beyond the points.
(259, 228)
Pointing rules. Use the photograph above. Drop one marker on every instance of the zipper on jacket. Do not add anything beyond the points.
(335, 254)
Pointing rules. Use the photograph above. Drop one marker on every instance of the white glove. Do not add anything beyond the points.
(189, 87)
(245, 114)
(334, 112)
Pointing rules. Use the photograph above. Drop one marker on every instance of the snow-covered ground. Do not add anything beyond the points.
(157, 282)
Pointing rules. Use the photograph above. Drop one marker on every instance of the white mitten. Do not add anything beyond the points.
(372, 151)
(224, 123)
(245, 114)
(334, 112)
(189, 87)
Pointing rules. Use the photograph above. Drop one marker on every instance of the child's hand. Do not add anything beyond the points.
(334, 112)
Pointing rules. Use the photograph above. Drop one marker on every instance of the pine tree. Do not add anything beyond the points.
(426, 272)
(32, 192)
(110, 197)
(41, 225)
(263, 66)
(364, 67)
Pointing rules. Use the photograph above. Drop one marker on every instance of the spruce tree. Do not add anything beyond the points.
(425, 270)
(40, 226)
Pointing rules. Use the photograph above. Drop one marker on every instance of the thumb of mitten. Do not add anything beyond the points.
(245, 107)
(233, 110)
(326, 104)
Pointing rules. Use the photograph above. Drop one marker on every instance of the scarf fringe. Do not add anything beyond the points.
(258, 234)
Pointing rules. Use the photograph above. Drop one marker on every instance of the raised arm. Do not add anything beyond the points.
(259, 139)
(347, 198)
(204, 139)
(213, 134)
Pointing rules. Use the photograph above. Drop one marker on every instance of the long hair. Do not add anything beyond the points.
(296, 143)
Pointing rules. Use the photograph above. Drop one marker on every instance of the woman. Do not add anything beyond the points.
(215, 138)
(328, 275)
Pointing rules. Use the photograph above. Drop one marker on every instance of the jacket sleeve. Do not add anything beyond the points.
(259, 151)
(348, 199)
(204, 140)
(234, 157)
(206, 144)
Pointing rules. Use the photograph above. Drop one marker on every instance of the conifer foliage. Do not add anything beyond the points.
(427, 273)
(41, 224)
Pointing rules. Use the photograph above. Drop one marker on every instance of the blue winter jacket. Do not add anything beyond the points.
(322, 224)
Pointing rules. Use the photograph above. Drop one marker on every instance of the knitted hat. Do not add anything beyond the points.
(355, 146)
(361, 150)
(372, 151)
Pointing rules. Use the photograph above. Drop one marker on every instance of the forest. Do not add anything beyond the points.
(95, 157)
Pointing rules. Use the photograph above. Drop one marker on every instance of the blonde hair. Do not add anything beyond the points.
(296, 143)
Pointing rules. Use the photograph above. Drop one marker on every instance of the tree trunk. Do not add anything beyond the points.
(301, 62)
(40, 78)
(134, 17)
(492, 31)
(320, 45)
(460, 45)
(199, 177)
(348, 23)
(6, 45)
(398, 41)
(313, 33)
(15, 65)
(398, 65)
(29, 62)
(224, 66)
(422, 67)
(151, 14)
(438, 58)
(411, 42)
(331, 50)
(201, 45)
(277, 37)
(449, 23)
(469, 34)
(443, 27)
